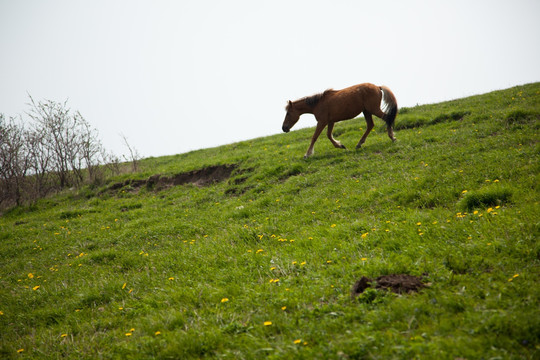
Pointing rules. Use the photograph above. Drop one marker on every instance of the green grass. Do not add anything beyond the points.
(190, 272)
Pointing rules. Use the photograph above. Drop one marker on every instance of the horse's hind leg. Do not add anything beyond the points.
(389, 129)
(369, 123)
(331, 138)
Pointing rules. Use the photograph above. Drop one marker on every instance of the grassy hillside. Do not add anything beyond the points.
(262, 262)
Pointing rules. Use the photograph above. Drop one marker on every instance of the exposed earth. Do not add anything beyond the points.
(202, 177)
(397, 283)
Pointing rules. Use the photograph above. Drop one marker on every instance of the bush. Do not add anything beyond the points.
(55, 149)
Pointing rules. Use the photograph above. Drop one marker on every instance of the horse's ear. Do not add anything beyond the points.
(289, 105)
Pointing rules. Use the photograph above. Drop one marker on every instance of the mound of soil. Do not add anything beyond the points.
(203, 177)
(398, 283)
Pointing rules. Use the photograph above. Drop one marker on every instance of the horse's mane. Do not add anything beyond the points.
(312, 100)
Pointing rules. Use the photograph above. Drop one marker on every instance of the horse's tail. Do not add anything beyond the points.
(391, 108)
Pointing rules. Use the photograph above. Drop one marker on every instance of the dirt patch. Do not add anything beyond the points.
(398, 283)
(203, 177)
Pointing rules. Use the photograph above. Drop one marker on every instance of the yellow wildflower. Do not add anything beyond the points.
(224, 300)
(267, 323)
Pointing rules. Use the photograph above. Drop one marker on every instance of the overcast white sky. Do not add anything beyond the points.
(175, 76)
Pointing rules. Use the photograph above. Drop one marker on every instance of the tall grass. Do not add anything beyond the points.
(262, 264)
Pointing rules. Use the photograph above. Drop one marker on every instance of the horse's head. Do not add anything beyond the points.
(291, 117)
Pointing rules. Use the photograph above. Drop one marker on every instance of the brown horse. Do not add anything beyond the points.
(332, 106)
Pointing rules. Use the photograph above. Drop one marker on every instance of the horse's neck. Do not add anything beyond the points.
(303, 108)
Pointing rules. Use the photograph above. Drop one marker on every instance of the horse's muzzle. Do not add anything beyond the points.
(285, 129)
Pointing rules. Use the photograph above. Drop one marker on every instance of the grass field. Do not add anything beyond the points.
(261, 264)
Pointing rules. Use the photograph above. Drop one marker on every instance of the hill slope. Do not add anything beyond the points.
(261, 262)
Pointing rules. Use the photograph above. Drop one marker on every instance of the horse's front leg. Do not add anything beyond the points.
(331, 138)
(320, 127)
(369, 124)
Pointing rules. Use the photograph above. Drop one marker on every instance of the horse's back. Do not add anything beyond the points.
(350, 102)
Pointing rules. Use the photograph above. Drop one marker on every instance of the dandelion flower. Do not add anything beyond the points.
(157, 333)
(297, 341)
(128, 334)
(364, 235)
(364, 259)
(36, 287)
(224, 300)
(284, 308)
(171, 278)
(1, 313)
(63, 335)
(124, 286)
(20, 351)
(303, 263)
(30, 276)
(259, 251)
(333, 225)
(267, 323)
